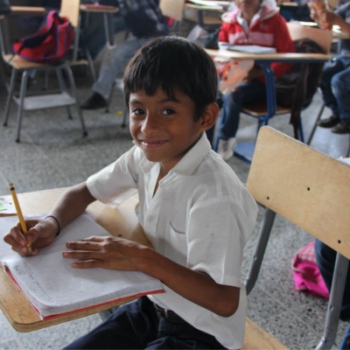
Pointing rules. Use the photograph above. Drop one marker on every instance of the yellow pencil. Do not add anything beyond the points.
(19, 213)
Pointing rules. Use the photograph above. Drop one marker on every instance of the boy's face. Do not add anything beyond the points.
(248, 5)
(163, 128)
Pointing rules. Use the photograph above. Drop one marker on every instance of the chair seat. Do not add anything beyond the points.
(260, 109)
(20, 63)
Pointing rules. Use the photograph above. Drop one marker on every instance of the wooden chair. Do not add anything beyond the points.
(259, 110)
(173, 9)
(69, 9)
(312, 191)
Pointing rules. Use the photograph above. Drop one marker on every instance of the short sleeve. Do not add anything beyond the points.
(118, 181)
(218, 230)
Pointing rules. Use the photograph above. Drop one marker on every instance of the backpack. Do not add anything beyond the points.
(297, 87)
(307, 276)
(50, 44)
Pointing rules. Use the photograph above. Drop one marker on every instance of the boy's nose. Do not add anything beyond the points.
(150, 125)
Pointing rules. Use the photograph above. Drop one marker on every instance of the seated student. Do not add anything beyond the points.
(146, 22)
(252, 23)
(335, 82)
(325, 257)
(193, 209)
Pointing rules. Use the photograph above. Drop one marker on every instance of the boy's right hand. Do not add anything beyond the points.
(41, 232)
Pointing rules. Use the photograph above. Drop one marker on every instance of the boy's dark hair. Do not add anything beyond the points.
(173, 63)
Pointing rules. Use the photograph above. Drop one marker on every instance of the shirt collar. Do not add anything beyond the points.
(243, 22)
(189, 162)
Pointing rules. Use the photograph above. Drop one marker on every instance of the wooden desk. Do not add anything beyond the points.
(337, 33)
(218, 6)
(108, 12)
(271, 57)
(122, 221)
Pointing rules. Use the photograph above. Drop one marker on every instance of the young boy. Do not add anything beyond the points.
(253, 22)
(193, 209)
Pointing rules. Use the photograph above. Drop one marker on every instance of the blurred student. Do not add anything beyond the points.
(254, 22)
(335, 82)
(146, 22)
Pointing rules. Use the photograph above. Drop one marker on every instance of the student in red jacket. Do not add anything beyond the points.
(254, 22)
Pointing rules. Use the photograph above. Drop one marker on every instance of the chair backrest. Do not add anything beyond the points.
(304, 186)
(172, 8)
(321, 36)
(71, 9)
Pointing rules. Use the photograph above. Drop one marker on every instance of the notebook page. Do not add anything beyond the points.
(54, 287)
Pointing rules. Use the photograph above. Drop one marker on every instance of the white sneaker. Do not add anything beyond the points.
(226, 148)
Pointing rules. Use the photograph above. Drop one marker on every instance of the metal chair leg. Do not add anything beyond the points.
(72, 83)
(21, 101)
(263, 238)
(91, 65)
(10, 95)
(315, 125)
(109, 100)
(63, 88)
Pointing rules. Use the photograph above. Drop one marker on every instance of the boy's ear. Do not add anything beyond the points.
(209, 116)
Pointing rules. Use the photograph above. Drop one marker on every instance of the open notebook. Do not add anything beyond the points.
(54, 287)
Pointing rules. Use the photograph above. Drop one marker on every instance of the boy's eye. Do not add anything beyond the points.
(168, 111)
(138, 111)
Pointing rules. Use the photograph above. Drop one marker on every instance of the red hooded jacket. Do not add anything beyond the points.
(270, 31)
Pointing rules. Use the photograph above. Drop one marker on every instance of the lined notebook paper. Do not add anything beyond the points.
(54, 287)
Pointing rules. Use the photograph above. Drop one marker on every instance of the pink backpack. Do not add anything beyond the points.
(307, 276)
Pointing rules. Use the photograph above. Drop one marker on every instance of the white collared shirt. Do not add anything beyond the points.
(243, 22)
(200, 217)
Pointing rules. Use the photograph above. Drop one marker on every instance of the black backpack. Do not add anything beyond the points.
(297, 87)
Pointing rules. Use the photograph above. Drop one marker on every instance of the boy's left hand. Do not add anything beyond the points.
(107, 252)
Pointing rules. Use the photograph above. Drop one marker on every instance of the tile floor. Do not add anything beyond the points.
(54, 154)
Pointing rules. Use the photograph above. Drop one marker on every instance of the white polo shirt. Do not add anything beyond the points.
(200, 217)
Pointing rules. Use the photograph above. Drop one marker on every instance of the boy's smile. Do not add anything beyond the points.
(164, 128)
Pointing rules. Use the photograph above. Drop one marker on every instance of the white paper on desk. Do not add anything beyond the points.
(251, 49)
(207, 3)
(54, 287)
(10, 208)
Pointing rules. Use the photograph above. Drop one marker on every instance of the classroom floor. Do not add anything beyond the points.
(54, 154)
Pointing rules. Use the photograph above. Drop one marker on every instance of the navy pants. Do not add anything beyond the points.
(138, 326)
(335, 86)
(325, 257)
(233, 101)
